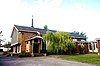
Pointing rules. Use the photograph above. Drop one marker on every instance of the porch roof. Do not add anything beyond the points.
(15, 44)
(34, 38)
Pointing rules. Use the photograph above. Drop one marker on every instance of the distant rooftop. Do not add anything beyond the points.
(97, 38)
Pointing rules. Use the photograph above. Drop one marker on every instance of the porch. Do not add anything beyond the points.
(16, 48)
(36, 46)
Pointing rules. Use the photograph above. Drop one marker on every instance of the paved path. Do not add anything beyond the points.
(38, 61)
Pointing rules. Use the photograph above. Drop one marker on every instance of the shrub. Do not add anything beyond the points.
(82, 49)
(5, 52)
(24, 54)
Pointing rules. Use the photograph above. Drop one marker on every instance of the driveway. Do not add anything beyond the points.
(38, 61)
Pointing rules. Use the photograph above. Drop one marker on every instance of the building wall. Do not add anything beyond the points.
(14, 37)
(92, 47)
(23, 36)
(28, 44)
(98, 46)
(19, 49)
(78, 47)
(14, 49)
(86, 48)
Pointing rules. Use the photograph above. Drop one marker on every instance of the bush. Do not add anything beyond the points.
(5, 52)
(24, 54)
(82, 49)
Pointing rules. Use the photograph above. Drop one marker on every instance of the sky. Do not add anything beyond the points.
(60, 15)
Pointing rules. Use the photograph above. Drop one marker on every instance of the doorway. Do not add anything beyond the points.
(36, 48)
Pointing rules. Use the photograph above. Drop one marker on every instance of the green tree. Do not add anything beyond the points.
(70, 45)
(1, 40)
(80, 33)
(61, 39)
(7, 44)
(58, 41)
(49, 39)
(46, 27)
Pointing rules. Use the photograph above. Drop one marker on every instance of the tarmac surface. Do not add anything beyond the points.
(38, 61)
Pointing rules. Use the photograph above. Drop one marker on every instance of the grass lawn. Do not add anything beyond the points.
(86, 58)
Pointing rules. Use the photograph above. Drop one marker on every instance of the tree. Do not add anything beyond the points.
(58, 41)
(70, 45)
(48, 39)
(7, 45)
(46, 27)
(1, 36)
(80, 33)
(83, 34)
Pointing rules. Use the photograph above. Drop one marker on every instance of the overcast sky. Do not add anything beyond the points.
(61, 15)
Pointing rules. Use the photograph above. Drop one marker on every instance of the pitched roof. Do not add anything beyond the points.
(25, 28)
(43, 31)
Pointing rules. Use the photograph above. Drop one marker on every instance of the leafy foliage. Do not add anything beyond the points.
(57, 42)
(80, 33)
(46, 27)
(1, 36)
(7, 45)
(82, 49)
(24, 54)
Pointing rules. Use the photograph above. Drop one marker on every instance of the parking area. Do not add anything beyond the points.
(38, 61)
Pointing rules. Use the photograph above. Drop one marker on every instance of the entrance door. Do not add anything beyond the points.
(36, 48)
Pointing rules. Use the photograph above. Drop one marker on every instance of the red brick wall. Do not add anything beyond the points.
(78, 48)
(78, 39)
(98, 46)
(86, 48)
(23, 36)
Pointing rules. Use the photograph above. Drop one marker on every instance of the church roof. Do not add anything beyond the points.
(43, 31)
(25, 28)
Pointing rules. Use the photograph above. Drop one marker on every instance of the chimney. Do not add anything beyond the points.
(32, 22)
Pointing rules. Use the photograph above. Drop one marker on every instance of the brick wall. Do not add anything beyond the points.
(23, 36)
(98, 46)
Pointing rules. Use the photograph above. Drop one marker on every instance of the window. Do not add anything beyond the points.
(74, 39)
(90, 46)
(82, 40)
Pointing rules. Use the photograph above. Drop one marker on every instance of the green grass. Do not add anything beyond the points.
(86, 58)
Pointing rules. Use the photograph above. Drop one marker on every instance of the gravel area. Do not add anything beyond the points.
(38, 61)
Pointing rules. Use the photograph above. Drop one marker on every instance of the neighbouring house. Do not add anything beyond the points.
(89, 46)
(79, 40)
